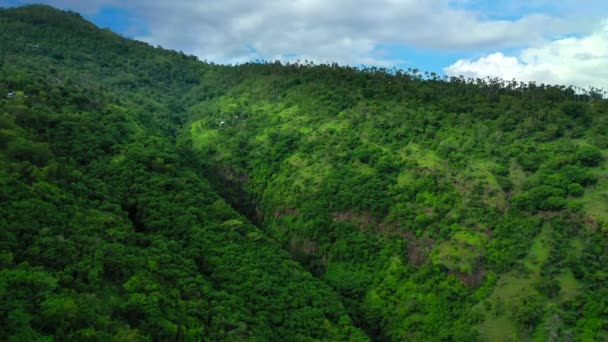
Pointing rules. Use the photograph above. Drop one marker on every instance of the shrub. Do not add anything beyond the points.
(575, 189)
(589, 155)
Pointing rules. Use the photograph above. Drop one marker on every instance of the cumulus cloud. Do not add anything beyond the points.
(345, 31)
(581, 61)
(341, 31)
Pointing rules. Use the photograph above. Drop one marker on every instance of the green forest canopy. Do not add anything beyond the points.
(146, 195)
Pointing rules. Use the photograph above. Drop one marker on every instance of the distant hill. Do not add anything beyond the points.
(146, 195)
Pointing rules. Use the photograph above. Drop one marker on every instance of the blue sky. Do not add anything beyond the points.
(123, 21)
(544, 40)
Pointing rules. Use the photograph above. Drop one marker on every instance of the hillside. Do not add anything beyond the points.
(146, 195)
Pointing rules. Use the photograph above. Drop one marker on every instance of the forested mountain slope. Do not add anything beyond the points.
(147, 195)
(109, 231)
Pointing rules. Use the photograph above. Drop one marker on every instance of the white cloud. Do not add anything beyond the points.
(579, 61)
(345, 31)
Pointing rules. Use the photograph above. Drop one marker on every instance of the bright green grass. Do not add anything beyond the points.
(578, 245)
(424, 158)
(510, 290)
(500, 328)
(539, 252)
(364, 169)
(570, 287)
(462, 252)
(518, 175)
(595, 199)
(334, 125)
(498, 324)
(405, 178)
(306, 173)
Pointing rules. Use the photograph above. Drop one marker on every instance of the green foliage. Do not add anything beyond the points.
(589, 155)
(530, 313)
(109, 231)
(462, 253)
(575, 189)
(146, 195)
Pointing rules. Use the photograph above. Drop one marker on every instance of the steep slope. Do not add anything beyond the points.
(426, 209)
(443, 209)
(108, 231)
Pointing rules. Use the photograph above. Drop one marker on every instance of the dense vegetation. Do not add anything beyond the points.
(146, 195)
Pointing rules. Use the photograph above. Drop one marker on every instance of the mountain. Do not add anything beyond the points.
(146, 195)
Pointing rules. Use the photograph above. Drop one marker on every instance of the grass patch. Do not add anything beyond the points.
(578, 245)
(305, 173)
(424, 158)
(405, 178)
(500, 328)
(334, 125)
(570, 287)
(363, 169)
(462, 253)
(595, 199)
(517, 174)
(510, 290)
(539, 251)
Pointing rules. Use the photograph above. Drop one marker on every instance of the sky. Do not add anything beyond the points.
(547, 41)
